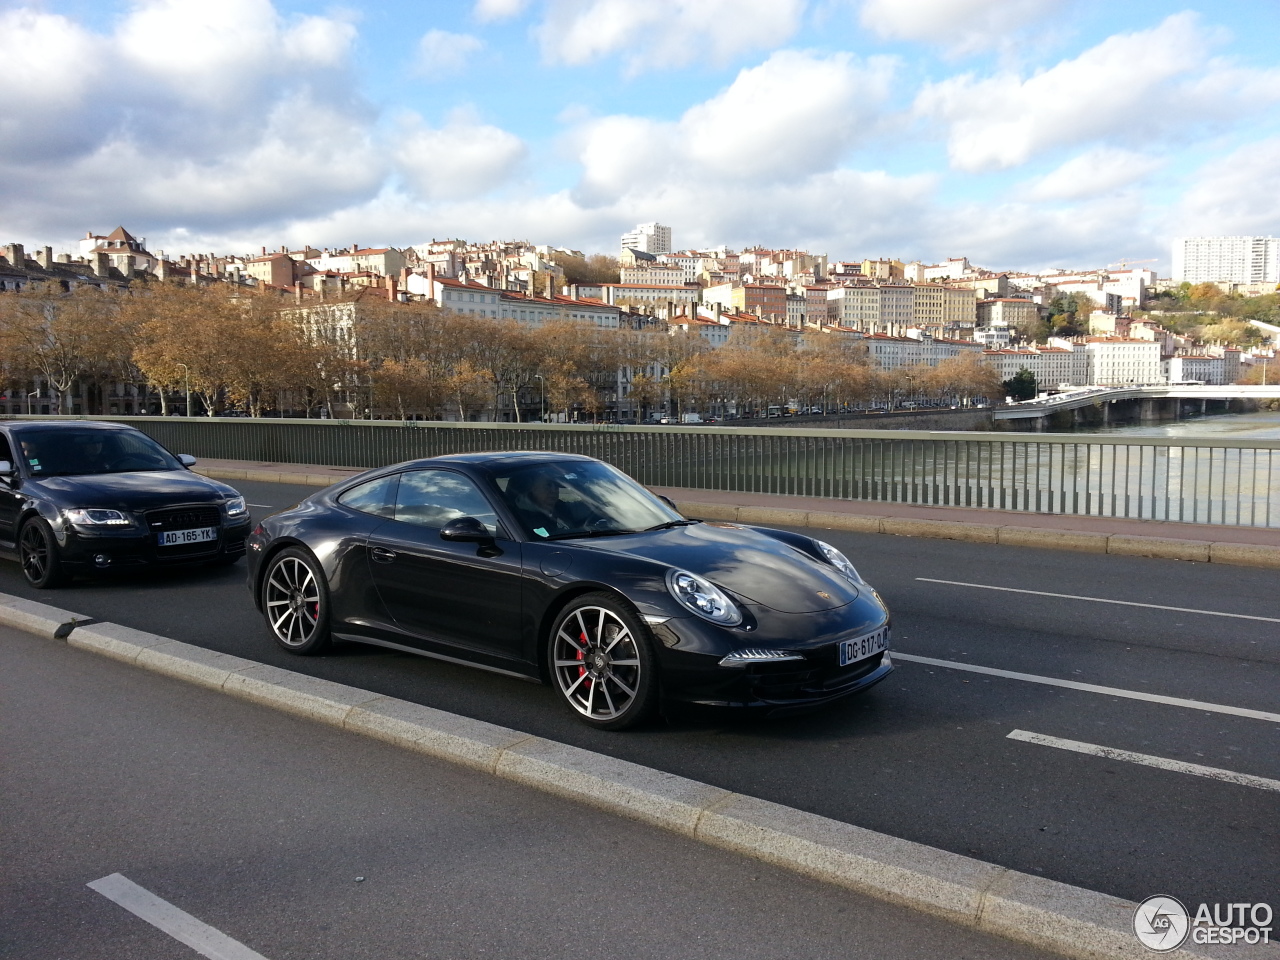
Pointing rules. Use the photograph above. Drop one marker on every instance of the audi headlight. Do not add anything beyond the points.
(703, 597)
(838, 560)
(95, 517)
(236, 506)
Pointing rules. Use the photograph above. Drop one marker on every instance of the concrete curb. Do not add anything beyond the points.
(1128, 545)
(1044, 913)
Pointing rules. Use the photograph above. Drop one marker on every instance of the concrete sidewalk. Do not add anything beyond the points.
(1204, 543)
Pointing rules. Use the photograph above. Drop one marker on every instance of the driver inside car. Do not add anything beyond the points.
(535, 495)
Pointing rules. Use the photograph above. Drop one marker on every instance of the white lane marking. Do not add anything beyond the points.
(199, 936)
(268, 506)
(1146, 760)
(1094, 688)
(1123, 603)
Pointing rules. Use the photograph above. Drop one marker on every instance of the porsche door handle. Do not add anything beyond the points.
(383, 556)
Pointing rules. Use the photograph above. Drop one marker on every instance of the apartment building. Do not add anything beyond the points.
(1118, 361)
(1226, 260)
(481, 301)
(891, 352)
(649, 238)
(654, 274)
(1010, 311)
(1052, 366)
(1206, 368)
(380, 261)
(650, 293)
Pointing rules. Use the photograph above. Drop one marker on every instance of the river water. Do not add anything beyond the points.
(1263, 425)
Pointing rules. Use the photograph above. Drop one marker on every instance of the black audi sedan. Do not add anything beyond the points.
(563, 569)
(89, 497)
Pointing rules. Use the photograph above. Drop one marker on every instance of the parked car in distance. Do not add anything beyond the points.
(561, 568)
(88, 497)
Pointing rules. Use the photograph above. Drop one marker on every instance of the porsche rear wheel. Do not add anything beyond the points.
(295, 600)
(602, 663)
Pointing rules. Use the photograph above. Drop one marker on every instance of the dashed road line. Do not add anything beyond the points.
(163, 915)
(1123, 603)
(1146, 760)
(1094, 688)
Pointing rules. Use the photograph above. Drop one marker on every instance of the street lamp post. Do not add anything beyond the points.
(186, 377)
(538, 376)
(33, 393)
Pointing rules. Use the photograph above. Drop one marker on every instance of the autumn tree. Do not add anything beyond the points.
(964, 377)
(62, 337)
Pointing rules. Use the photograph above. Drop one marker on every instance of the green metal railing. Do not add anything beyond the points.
(1221, 481)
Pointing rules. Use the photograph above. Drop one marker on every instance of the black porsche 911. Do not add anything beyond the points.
(89, 497)
(563, 569)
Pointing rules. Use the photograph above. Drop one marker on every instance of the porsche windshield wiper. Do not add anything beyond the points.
(590, 533)
(671, 523)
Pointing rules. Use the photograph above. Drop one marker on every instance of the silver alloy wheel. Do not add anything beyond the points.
(292, 601)
(596, 661)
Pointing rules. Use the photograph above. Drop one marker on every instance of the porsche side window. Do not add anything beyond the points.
(377, 497)
(431, 498)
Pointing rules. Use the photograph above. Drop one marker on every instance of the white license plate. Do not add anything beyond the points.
(172, 538)
(851, 651)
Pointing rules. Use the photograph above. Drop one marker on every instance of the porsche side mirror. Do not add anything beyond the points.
(465, 530)
(187, 460)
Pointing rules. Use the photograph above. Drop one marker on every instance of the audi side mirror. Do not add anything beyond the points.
(187, 460)
(669, 502)
(465, 530)
(7, 469)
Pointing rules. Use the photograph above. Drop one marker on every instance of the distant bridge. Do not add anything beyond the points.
(1154, 402)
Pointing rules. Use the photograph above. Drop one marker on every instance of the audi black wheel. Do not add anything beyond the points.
(38, 552)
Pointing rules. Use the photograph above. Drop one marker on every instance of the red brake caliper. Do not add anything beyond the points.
(582, 656)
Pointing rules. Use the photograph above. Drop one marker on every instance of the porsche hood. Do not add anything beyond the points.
(756, 567)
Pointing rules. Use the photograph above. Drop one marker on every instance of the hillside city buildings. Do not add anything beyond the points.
(903, 314)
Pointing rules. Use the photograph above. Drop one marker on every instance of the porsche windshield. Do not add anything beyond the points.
(560, 501)
(61, 453)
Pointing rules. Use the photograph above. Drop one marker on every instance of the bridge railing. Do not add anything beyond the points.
(1221, 481)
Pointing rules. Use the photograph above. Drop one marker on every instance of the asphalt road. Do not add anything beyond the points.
(927, 755)
(259, 824)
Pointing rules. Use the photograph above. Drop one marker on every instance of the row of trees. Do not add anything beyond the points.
(261, 354)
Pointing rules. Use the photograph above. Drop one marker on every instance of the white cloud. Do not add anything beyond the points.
(793, 115)
(461, 160)
(1238, 194)
(487, 11)
(204, 113)
(220, 52)
(959, 26)
(1147, 84)
(663, 33)
(442, 54)
(1093, 173)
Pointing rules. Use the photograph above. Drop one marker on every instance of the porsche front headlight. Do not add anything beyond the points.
(701, 596)
(838, 560)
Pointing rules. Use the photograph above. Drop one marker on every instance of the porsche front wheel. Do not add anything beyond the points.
(602, 663)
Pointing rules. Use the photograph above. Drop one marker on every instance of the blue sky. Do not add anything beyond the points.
(1019, 133)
